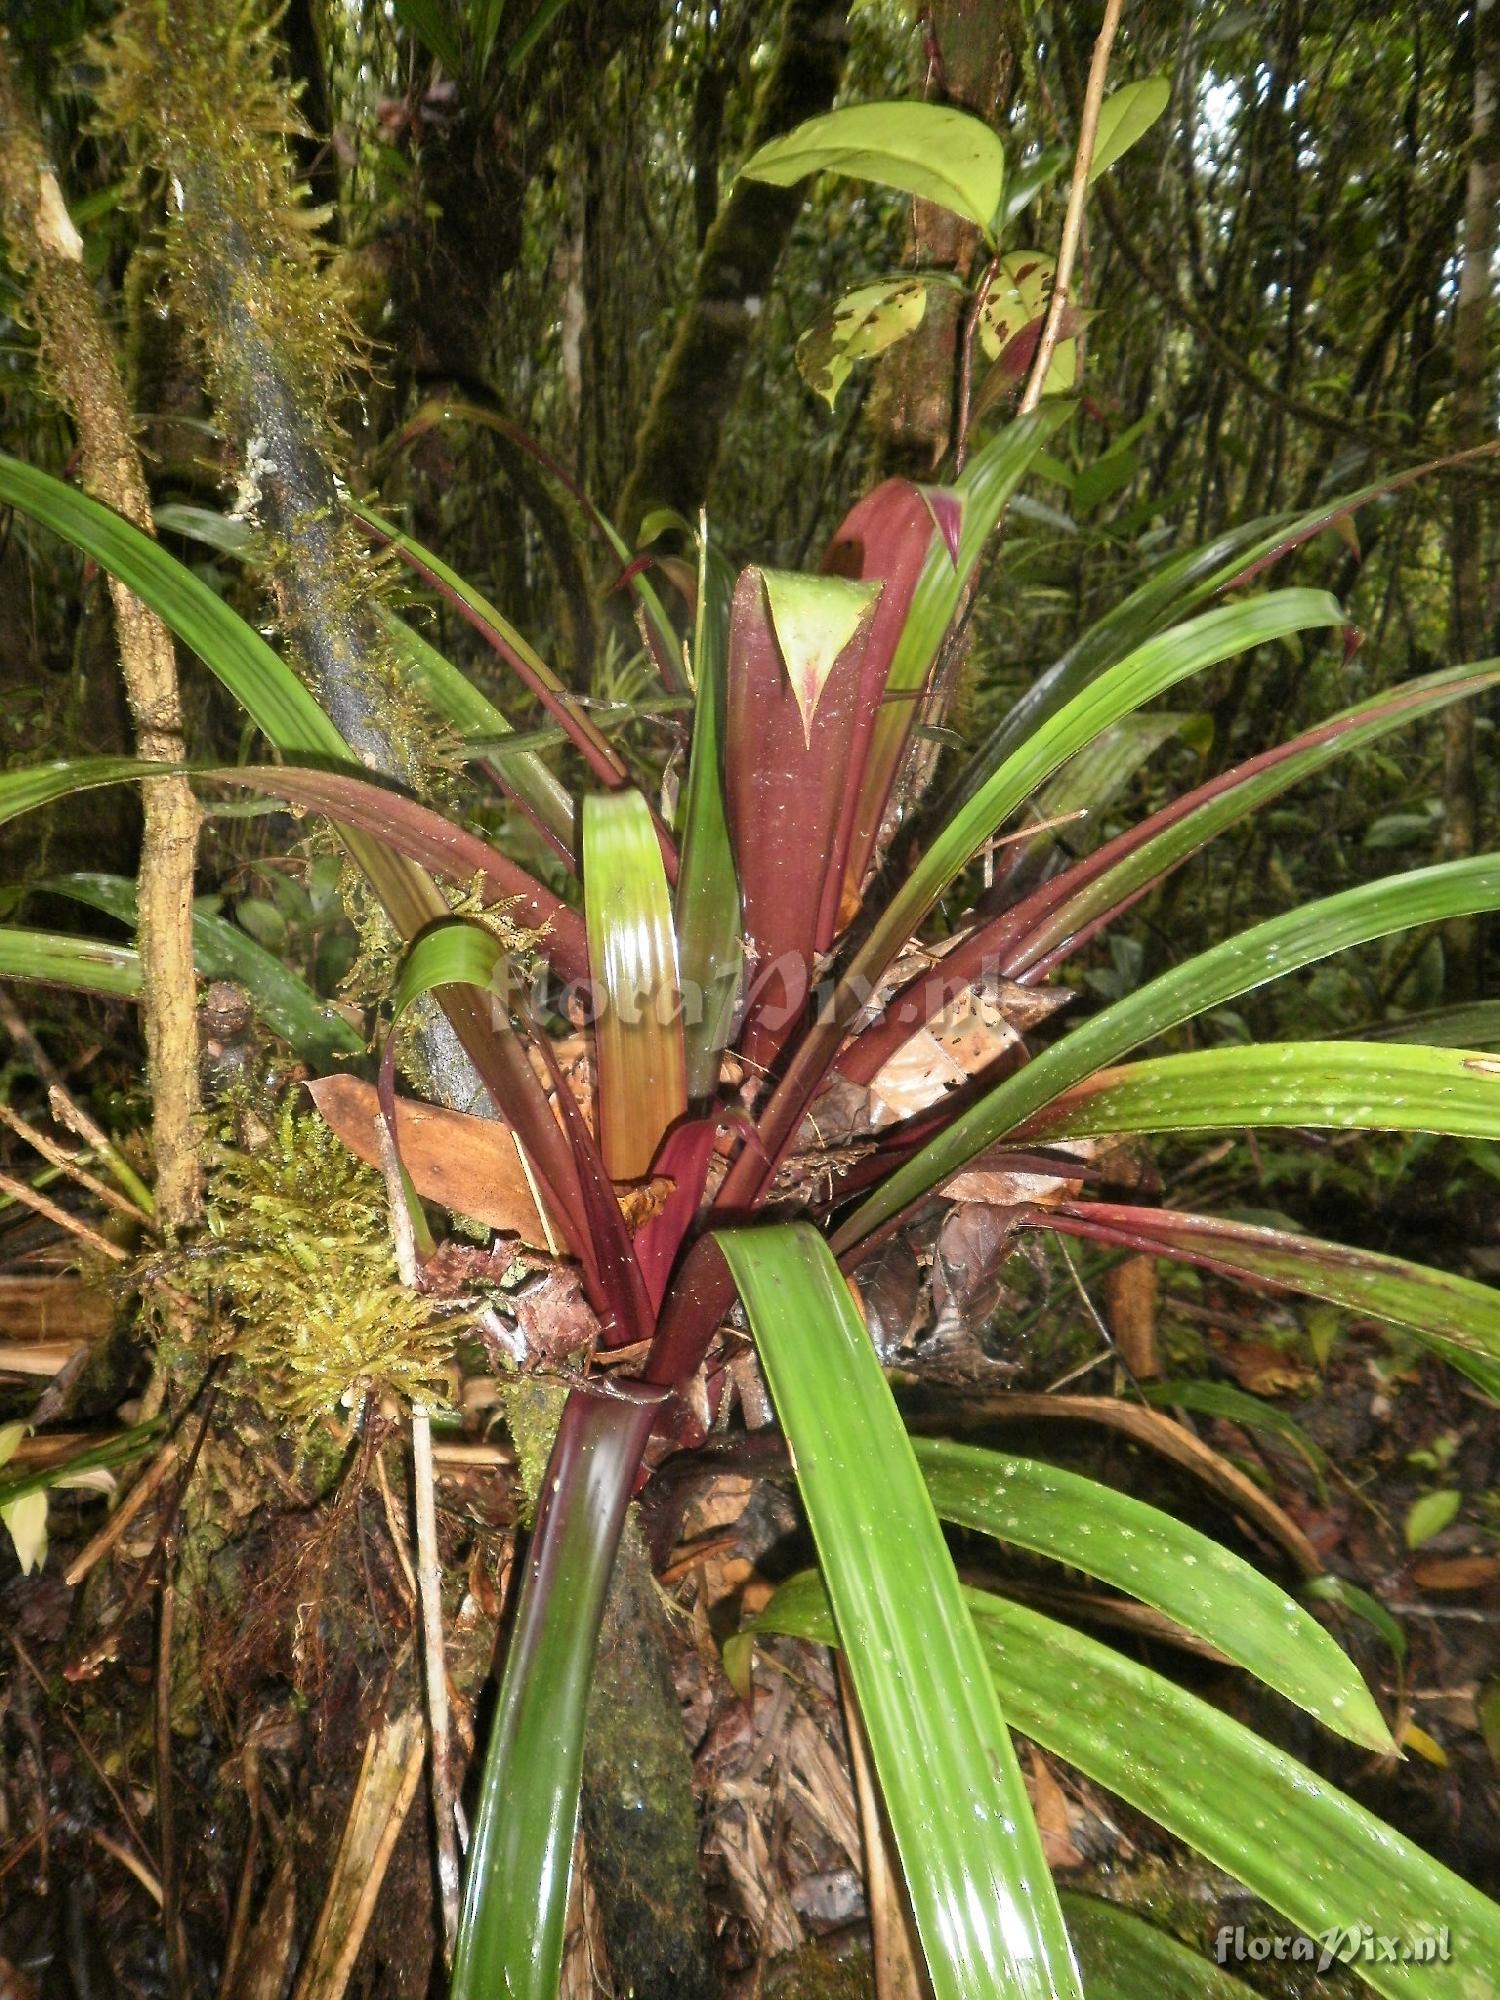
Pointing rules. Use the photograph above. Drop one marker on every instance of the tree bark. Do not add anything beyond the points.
(1472, 392)
(679, 439)
(971, 62)
(80, 365)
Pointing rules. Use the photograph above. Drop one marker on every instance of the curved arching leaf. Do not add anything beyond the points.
(985, 1908)
(1382, 1087)
(1287, 1834)
(87, 965)
(1269, 950)
(1204, 1587)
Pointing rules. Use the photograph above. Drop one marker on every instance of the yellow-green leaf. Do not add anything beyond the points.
(864, 323)
(815, 617)
(26, 1521)
(1430, 1515)
(924, 149)
(633, 958)
(1125, 116)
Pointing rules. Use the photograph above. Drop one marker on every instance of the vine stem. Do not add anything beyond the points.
(1067, 249)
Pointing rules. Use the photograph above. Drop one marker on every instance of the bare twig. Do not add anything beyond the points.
(430, 1580)
(396, 1529)
(75, 1225)
(90, 1662)
(73, 1166)
(171, 1900)
(1067, 249)
(148, 1881)
(159, 1469)
(65, 1108)
(429, 1573)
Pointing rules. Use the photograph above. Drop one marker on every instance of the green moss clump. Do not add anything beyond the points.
(193, 88)
(306, 1281)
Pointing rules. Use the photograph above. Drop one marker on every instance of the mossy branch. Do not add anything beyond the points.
(193, 86)
(80, 368)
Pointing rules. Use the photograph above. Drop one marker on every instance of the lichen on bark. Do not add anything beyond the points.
(79, 366)
(192, 87)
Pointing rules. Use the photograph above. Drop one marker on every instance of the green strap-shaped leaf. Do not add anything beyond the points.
(1284, 1832)
(271, 695)
(1268, 951)
(1158, 665)
(1470, 1024)
(980, 1890)
(708, 894)
(454, 697)
(1149, 671)
(1385, 1087)
(1253, 1413)
(642, 1082)
(1229, 800)
(988, 485)
(221, 950)
(1124, 1957)
(86, 964)
(269, 691)
(510, 1934)
(929, 150)
(1451, 1312)
(116, 1449)
(1209, 1591)
(1177, 588)
(39, 784)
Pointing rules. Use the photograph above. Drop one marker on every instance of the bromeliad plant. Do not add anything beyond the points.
(755, 978)
(721, 1046)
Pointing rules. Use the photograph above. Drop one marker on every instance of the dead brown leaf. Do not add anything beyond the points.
(1456, 1572)
(1130, 1307)
(466, 1164)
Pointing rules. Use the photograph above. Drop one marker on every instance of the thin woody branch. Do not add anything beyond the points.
(80, 368)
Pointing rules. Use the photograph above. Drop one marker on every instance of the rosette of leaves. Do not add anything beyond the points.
(719, 1074)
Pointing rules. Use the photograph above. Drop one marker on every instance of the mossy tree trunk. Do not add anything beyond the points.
(678, 443)
(1473, 421)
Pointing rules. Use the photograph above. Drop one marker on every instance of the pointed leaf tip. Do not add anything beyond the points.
(815, 619)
